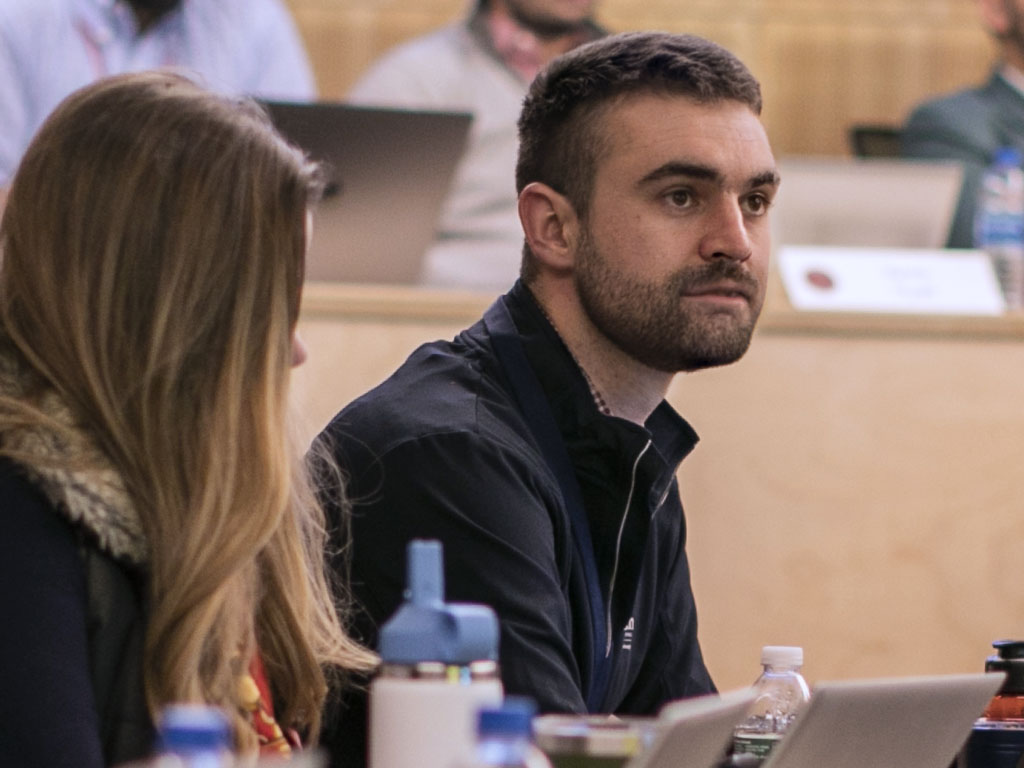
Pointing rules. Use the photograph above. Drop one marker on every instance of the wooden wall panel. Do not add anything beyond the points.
(823, 72)
(343, 37)
(824, 64)
(855, 497)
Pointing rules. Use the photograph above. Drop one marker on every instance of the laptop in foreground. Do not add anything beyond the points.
(695, 733)
(909, 722)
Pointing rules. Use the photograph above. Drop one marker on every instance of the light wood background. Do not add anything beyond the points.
(858, 489)
(823, 64)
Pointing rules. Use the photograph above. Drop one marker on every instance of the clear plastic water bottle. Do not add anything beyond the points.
(505, 736)
(781, 692)
(999, 223)
(193, 736)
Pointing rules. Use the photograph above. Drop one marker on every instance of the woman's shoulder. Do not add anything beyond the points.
(18, 492)
(35, 531)
(51, 712)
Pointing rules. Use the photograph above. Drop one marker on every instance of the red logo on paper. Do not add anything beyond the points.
(819, 279)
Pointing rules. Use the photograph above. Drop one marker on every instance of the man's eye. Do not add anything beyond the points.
(681, 198)
(757, 204)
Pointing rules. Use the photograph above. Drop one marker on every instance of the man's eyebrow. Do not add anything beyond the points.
(767, 179)
(707, 173)
(693, 170)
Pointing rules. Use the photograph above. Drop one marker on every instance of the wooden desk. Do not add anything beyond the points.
(857, 489)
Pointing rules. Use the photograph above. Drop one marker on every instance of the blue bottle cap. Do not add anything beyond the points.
(1008, 157)
(513, 718)
(188, 728)
(425, 628)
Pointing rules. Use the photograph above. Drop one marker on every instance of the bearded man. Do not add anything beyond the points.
(481, 65)
(49, 48)
(538, 446)
(973, 124)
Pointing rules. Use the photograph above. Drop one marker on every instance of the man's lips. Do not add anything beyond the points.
(724, 290)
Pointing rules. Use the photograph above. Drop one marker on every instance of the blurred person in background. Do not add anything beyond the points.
(482, 65)
(161, 542)
(972, 125)
(49, 48)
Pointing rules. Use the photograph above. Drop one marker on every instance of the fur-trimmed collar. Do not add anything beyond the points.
(69, 469)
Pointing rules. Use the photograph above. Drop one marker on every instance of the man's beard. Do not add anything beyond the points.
(544, 26)
(652, 322)
(156, 7)
(1015, 32)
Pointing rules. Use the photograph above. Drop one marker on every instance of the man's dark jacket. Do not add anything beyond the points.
(462, 444)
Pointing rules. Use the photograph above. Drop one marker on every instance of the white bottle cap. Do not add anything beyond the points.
(782, 655)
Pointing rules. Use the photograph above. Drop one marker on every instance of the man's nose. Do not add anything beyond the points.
(726, 236)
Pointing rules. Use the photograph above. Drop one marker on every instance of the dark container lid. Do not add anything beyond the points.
(1009, 659)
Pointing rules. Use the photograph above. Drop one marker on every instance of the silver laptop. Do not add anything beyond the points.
(694, 733)
(388, 173)
(912, 722)
(865, 202)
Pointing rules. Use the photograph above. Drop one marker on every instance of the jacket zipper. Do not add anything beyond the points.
(618, 548)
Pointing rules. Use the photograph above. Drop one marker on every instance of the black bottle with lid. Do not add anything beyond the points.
(1008, 705)
(997, 739)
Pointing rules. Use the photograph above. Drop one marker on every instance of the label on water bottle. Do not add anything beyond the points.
(758, 744)
(999, 229)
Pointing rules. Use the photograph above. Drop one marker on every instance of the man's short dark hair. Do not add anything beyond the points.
(559, 137)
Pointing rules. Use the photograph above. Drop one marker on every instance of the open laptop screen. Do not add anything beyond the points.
(911, 722)
(865, 202)
(388, 173)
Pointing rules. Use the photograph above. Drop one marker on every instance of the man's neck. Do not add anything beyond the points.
(629, 389)
(1013, 75)
(147, 17)
(144, 18)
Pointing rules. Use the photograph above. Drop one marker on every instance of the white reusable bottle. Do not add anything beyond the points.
(438, 668)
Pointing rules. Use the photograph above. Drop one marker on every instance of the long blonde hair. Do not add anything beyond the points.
(153, 257)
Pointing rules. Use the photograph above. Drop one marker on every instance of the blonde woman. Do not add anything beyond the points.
(161, 540)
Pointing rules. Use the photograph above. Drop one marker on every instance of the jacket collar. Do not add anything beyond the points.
(569, 394)
(1006, 86)
(63, 461)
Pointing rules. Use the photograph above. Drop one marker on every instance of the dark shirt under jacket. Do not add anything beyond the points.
(444, 449)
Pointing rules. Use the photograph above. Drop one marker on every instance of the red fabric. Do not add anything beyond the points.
(273, 741)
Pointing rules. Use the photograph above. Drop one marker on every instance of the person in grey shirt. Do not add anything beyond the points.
(482, 65)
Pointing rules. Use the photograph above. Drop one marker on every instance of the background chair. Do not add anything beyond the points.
(874, 140)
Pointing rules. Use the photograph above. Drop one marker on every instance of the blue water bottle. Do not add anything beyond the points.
(504, 736)
(999, 223)
(194, 736)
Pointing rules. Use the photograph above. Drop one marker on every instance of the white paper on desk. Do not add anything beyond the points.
(890, 280)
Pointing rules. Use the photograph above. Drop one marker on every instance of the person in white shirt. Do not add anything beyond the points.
(49, 48)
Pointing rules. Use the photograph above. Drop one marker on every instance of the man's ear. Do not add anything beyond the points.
(550, 225)
(994, 16)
